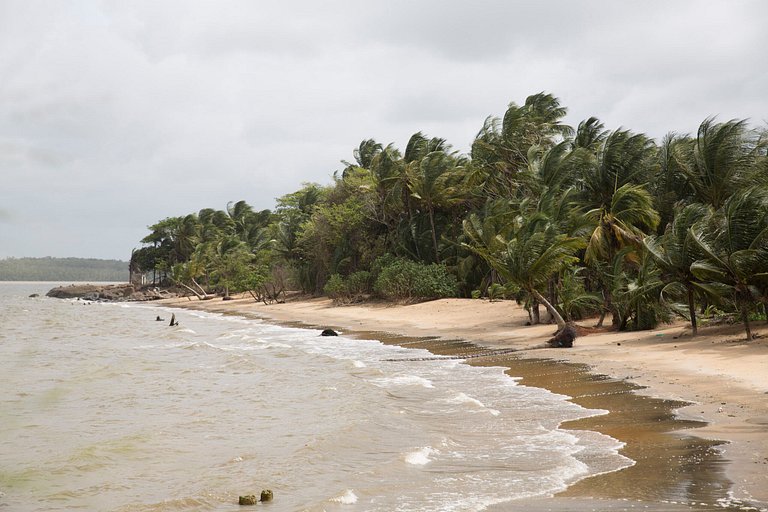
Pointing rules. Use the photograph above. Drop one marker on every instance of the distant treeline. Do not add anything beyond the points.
(62, 269)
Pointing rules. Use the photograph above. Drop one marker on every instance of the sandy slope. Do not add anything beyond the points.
(722, 375)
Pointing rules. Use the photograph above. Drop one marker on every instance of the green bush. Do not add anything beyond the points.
(407, 280)
(335, 288)
(353, 288)
(358, 284)
(495, 292)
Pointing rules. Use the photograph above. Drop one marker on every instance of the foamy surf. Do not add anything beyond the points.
(346, 498)
(328, 410)
(404, 380)
(420, 457)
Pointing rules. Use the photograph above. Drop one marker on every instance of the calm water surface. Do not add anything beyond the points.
(103, 408)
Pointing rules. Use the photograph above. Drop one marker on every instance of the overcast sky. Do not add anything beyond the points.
(116, 114)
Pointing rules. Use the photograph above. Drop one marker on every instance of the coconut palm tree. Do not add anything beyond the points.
(530, 258)
(721, 160)
(430, 184)
(734, 243)
(675, 251)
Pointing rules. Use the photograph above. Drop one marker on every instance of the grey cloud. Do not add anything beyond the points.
(116, 114)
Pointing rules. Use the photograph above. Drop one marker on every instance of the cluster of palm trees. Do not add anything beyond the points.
(212, 247)
(581, 221)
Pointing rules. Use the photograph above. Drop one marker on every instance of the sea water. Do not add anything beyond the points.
(105, 408)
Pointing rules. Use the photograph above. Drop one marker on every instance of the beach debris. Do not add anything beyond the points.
(266, 495)
(249, 499)
(34, 295)
(173, 320)
(329, 332)
(158, 319)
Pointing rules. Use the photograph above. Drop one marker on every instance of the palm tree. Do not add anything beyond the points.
(734, 242)
(430, 187)
(531, 257)
(675, 251)
(721, 160)
(620, 223)
(500, 151)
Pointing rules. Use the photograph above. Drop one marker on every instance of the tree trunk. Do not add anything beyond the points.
(552, 311)
(434, 234)
(535, 314)
(745, 319)
(692, 311)
(601, 319)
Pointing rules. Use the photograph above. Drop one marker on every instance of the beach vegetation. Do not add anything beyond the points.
(405, 280)
(584, 222)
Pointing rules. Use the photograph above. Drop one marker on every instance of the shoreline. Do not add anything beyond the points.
(714, 386)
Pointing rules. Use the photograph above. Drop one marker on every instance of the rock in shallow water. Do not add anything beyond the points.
(249, 499)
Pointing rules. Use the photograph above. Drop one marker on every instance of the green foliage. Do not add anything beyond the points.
(575, 301)
(495, 292)
(353, 288)
(583, 221)
(406, 280)
(335, 288)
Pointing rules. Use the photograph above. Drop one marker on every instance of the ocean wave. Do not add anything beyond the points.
(348, 497)
(404, 380)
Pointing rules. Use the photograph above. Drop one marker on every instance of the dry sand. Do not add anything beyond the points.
(721, 375)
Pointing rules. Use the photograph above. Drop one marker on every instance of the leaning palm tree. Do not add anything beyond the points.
(430, 186)
(721, 160)
(734, 242)
(675, 251)
(620, 223)
(531, 257)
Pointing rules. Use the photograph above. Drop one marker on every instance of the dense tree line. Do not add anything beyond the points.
(62, 269)
(584, 221)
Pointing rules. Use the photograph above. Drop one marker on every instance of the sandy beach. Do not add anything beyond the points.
(672, 397)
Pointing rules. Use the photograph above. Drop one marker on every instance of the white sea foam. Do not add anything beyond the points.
(420, 457)
(463, 398)
(359, 364)
(404, 380)
(346, 498)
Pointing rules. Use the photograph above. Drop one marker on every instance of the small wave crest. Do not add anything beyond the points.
(463, 398)
(346, 498)
(420, 457)
(404, 380)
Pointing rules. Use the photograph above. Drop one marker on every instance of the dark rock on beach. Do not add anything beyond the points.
(329, 332)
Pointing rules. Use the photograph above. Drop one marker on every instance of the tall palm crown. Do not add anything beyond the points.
(721, 160)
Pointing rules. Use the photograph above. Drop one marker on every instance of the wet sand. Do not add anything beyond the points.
(681, 459)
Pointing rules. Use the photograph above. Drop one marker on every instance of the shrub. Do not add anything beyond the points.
(358, 284)
(335, 288)
(495, 292)
(407, 280)
(350, 289)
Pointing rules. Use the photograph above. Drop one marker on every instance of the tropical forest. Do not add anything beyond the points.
(570, 222)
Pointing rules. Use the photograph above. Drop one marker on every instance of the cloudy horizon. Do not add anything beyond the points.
(114, 115)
